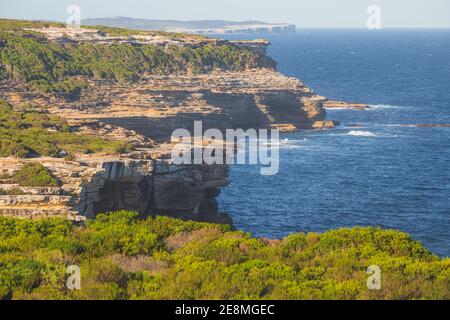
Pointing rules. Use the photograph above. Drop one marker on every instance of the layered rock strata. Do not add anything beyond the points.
(156, 106)
(145, 113)
(93, 185)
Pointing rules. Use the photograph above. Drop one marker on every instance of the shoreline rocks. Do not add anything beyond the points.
(328, 124)
(332, 104)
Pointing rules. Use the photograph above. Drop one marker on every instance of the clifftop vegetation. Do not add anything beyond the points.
(27, 132)
(28, 56)
(34, 175)
(20, 25)
(122, 257)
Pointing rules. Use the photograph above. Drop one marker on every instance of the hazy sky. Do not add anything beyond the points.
(304, 13)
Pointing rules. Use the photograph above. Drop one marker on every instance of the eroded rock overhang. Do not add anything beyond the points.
(96, 185)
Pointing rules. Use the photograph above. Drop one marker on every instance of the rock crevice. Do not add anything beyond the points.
(95, 185)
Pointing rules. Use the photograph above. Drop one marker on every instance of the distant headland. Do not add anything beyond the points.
(198, 26)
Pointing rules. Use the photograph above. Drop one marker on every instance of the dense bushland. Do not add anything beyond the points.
(27, 132)
(26, 56)
(122, 257)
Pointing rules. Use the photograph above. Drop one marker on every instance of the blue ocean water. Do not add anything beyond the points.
(384, 172)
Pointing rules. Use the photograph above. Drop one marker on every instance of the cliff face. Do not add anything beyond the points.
(249, 94)
(157, 105)
(96, 185)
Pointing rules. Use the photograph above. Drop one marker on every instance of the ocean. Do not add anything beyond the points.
(378, 168)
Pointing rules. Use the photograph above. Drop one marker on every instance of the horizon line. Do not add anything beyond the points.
(297, 27)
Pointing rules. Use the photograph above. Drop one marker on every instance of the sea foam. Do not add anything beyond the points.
(361, 133)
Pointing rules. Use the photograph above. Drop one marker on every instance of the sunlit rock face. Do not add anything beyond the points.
(145, 113)
(157, 105)
(94, 185)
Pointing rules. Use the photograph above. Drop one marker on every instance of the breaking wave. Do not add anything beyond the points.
(383, 106)
(361, 133)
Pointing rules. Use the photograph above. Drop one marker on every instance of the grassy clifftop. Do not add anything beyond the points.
(122, 257)
(27, 55)
(27, 132)
(20, 25)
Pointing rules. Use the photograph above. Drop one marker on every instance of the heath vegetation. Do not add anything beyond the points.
(47, 66)
(123, 257)
(26, 132)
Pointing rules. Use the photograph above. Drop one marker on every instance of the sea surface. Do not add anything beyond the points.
(377, 168)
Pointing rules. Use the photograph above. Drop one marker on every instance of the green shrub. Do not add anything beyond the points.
(27, 132)
(13, 192)
(48, 65)
(16, 25)
(69, 87)
(206, 261)
(35, 175)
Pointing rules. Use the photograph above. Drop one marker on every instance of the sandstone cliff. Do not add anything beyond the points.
(93, 185)
(250, 94)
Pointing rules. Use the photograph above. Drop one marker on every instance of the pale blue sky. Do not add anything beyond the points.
(304, 13)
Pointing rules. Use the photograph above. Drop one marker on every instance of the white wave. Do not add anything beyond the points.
(352, 127)
(383, 106)
(292, 141)
(279, 146)
(361, 133)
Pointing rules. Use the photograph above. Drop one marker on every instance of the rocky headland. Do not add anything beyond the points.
(200, 26)
(224, 84)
